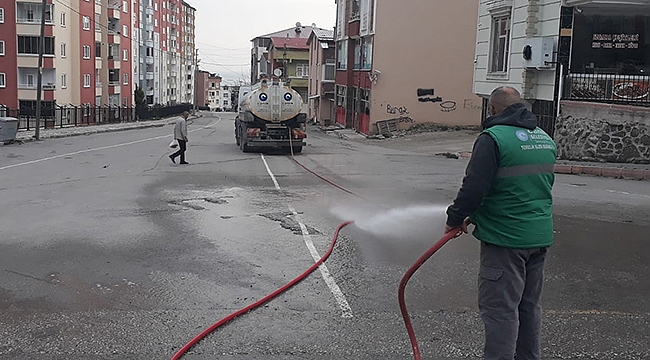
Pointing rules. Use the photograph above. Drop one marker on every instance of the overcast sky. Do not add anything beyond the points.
(224, 28)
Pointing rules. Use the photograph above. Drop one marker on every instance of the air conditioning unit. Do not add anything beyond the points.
(538, 53)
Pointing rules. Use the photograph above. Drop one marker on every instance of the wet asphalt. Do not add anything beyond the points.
(109, 251)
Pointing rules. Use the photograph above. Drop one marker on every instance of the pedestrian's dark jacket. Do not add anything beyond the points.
(483, 165)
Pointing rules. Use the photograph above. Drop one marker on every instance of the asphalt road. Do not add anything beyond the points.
(109, 251)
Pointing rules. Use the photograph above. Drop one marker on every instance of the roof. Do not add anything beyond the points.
(189, 6)
(304, 32)
(323, 35)
(291, 43)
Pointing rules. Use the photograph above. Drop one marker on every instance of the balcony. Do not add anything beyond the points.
(149, 92)
(114, 4)
(28, 77)
(148, 43)
(30, 13)
(149, 60)
(150, 76)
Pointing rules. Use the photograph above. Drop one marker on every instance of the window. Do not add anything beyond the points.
(86, 52)
(98, 49)
(500, 44)
(329, 70)
(2, 48)
(366, 53)
(86, 23)
(125, 31)
(125, 55)
(31, 13)
(125, 6)
(98, 27)
(86, 80)
(63, 22)
(3, 80)
(302, 70)
(63, 50)
(64, 81)
(155, 6)
(125, 81)
(342, 55)
(341, 95)
(357, 54)
(155, 22)
(365, 102)
(31, 44)
(31, 83)
(2, 15)
(113, 76)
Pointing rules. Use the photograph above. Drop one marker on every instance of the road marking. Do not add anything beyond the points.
(99, 148)
(327, 276)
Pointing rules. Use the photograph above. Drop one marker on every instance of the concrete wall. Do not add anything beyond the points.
(601, 132)
(424, 45)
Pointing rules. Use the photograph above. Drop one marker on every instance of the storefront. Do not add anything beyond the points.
(610, 55)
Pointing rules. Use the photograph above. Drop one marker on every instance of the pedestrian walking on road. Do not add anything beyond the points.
(180, 134)
(506, 195)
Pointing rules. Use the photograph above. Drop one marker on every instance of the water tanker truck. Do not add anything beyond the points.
(270, 117)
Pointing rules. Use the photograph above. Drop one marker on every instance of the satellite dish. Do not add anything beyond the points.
(298, 24)
(277, 72)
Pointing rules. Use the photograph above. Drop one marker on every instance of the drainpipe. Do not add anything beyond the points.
(531, 31)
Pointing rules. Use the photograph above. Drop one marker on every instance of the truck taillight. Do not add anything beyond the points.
(299, 134)
(253, 133)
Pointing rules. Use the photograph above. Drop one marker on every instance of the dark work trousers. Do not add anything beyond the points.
(182, 146)
(510, 291)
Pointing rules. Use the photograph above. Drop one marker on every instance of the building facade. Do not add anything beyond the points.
(188, 58)
(583, 67)
(291, 56)
(260, 47)
(322, 73)
(96, 53)
(394, 65)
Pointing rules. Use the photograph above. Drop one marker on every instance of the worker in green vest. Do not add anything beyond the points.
(506, 195)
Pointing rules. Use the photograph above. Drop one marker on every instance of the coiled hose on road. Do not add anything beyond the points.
(402, 286)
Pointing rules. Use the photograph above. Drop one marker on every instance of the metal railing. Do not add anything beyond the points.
(606, 88)
(72, 116)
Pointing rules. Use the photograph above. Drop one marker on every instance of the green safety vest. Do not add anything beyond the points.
(518, 210)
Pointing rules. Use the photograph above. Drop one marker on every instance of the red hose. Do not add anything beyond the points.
(405, 279)
(264, 300)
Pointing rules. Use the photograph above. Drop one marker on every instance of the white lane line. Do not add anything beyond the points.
(97, 149)
(327, 277)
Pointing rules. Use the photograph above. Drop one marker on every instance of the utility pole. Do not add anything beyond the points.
(196, 80)
(284, 63)
(39, 85)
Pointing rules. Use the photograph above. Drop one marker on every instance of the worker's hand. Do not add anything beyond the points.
(187, 140)
(462, 228)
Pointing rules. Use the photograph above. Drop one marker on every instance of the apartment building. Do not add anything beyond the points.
(322, 73)
(188, 58)
(96, 52)
(260, 62)
(405, 61)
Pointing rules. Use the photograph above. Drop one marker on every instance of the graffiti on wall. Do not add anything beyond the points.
(395, 110)
(429, 95)
(470, 105)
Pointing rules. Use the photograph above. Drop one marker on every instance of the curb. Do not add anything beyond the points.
(600, 171)
(92, 132)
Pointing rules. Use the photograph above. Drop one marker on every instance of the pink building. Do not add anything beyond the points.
(405, 61)
(322, 72)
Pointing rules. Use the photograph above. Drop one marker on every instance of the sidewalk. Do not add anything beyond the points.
(458, 145)
(25, 136)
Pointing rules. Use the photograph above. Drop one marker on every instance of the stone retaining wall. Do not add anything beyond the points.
(603, 132)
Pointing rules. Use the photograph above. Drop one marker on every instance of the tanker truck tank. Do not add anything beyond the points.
(270, 116)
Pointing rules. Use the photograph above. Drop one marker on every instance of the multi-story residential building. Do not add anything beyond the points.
(201, 84)
(161, 55)
(95, 53)
(322, 70)
(291, 55)
(260, 46)
(582, 66)
(213, 89)
(405, 62)
(188, 58)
